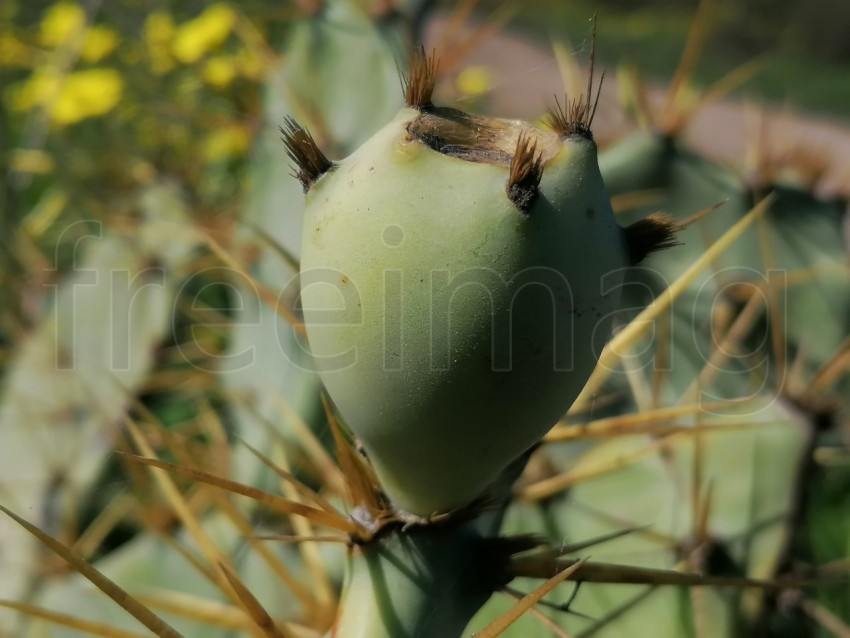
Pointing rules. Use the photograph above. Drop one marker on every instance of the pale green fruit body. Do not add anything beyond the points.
(451, 329)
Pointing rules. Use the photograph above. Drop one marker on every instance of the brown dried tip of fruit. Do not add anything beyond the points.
(302, 149)
(525, 173)
(649, 235)
(419, 85)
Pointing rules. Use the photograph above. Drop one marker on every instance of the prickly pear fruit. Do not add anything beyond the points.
(458, 278)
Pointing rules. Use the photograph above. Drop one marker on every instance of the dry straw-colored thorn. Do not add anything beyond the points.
(300, 487)
(284, 506)
(825, 618)
(538, 615)
(270, 298)
(619, 574)
(198, 609)
(300, 591)
(310, 162)
(500, 624)
(419, 84)
(646, 319)
(552, 485)
(136, 609)
(551, 553)
(525, 173)
(292, 538)
(362, 485)
(315, 568)
(86, 627)
(674, 115)
(251, 605)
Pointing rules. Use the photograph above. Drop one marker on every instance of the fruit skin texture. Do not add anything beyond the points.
(451, 329)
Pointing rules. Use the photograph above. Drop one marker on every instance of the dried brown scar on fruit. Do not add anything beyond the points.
(419, 85)
(302, 149)
(476, 138)
(526, 172)
(649, 235)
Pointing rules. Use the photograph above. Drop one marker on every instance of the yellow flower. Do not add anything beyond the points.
(61, 22)
(41, 88)
(78, 96)
(100, 42)
(194, 38)
(219, 71)
(474, 81)
(158, 33)
(87, 94)
(225, 142)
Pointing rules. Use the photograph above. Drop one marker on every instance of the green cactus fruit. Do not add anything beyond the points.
(459, 277)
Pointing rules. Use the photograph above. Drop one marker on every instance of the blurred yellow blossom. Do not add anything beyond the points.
(87, 94)
(67, 100)
(220, 71)
(100, 42)
(158, 32)
(226, 142)
(61, 22)
(195, 38)
(474, 81)
(41, 88)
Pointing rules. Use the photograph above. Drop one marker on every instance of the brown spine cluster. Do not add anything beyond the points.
(525, 174)
(649, 235)
(419, 84)
(310, 162)
(575, 117)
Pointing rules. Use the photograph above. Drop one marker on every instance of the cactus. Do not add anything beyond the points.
(462, 375)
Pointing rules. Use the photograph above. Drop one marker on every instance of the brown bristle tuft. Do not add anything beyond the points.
(575, 117)
(302, 149)
(649, 235)
(525, 173)
(419, 85)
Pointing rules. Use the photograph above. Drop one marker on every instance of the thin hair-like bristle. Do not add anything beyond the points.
(419, 84)
(525, 173)
(310, 162)
(575, 117)
(649, 235)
